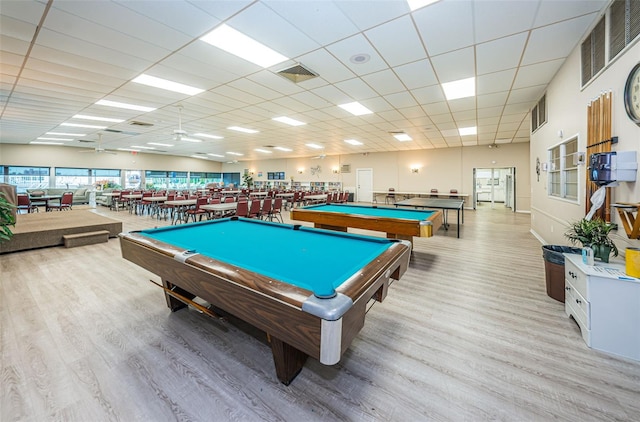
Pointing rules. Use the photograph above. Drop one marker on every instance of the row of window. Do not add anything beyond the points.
(618, 28)
(71, 178)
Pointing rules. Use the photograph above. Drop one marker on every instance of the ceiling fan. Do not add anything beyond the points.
(180, 134)
(319, 157)
(98, 149)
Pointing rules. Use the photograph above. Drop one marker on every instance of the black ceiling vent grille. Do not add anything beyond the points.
(298, 73)
(86, 141)
(138, 123)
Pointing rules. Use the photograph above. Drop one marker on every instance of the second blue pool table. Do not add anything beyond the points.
(268, 275)
(396, 223)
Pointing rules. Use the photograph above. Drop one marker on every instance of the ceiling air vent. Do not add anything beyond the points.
(86, 141)
(137, 123)
(298, 73)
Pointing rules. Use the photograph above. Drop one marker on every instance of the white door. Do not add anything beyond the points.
(364, 185)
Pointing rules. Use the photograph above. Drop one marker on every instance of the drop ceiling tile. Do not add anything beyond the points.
(555, 11)
(384, 82)
(401, 100)
(416, 75)
(313, 21)
(387, 37)
(495, 82)
(436, 19)
(357, 44)
(463, 104)
(496, 19)
(364, 16)
(17, 30)
(554, 41)
(459, 64)
(492, 100)
(501, 54)
(355, 88)
(436, 108)
(526, 95)
(537, 74)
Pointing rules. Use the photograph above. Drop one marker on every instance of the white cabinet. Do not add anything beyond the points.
(605, 303)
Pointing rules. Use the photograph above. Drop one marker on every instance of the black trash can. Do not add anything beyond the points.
(554, 269)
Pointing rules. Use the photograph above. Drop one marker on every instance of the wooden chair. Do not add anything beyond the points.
(65, 203)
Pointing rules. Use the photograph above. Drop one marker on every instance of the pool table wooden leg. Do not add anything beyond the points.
(287, 359)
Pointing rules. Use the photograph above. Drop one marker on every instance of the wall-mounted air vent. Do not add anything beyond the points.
(298, 73)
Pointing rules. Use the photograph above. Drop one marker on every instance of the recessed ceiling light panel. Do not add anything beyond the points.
(289, 121)
(355, 108)
(167, 85)
(462, 88)
(242, 129)
(124, 106)
(466, 131)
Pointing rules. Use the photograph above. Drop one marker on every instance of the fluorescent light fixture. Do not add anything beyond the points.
(168, 85)
(125, 106)
(85, 126)
(129, 149)
(66, 134)
(242, 129)
(289, 121)
(471, 130)
(46, 143)
(42, 138)
(97, 118)
(184, 138)
(353, 142)
(215, 155)
(235, 42)
(141, 147)
(315, 146)
(234, 153)
(418, 4)
(402, 137)
(159, 144)
(460, 89)
(199, 156)
(263, 150)
(283, 149)
(355, 108)
(205, 135)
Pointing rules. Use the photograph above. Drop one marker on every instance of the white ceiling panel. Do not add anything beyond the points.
(344, 50)
(496, 19)
(314, 18)
(555, 42)
(387, 37)
(504, 53)
(86, 51)
(416, 75)
(459, 64)
(438, 19)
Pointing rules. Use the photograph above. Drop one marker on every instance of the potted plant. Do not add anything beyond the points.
(594, 234)
(7, 218)
(248, 180)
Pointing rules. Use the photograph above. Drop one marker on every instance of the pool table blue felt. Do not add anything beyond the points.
(281, 251)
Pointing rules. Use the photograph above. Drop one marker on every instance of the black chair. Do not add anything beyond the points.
(391, 196)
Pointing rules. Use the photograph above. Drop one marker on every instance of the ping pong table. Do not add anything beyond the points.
(437, 203)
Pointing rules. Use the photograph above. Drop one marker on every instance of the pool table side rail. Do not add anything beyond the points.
(238, 291)
(399, 226)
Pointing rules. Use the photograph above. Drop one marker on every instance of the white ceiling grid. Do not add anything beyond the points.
(91, 50)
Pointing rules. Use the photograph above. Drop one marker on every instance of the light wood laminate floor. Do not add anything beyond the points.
(468, 334)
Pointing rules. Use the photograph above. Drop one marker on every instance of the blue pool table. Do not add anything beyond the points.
(306, 288)
(397, 223)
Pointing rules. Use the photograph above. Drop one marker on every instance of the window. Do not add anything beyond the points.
(539, 114)
(563, 170)
(25, 177)
(609, 37)
(199, 180)
(71, 177)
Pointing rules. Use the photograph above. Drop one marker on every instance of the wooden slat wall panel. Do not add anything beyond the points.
(598, 140)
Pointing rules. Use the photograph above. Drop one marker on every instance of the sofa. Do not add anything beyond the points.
(80, 195)
(103, 199)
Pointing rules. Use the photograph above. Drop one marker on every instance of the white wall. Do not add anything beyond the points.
(567, 111)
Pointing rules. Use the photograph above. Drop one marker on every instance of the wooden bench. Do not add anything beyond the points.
(86, 238)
